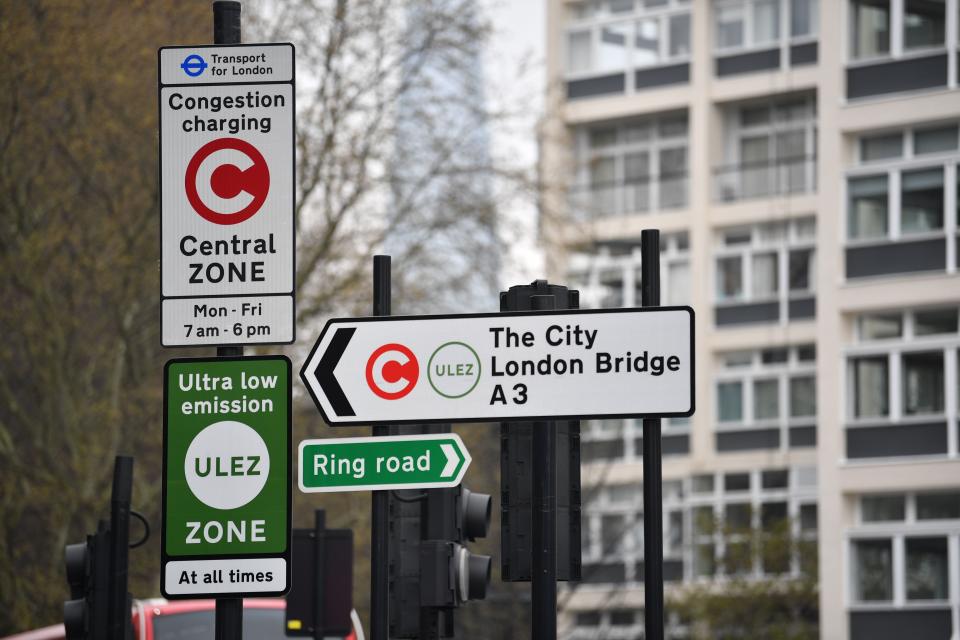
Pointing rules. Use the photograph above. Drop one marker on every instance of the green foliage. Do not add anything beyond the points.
(80, 360)
(758, 597)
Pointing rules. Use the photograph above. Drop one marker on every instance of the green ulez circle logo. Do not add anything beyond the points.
(454, 369)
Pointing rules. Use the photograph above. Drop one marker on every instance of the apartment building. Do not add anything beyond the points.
(800, 158)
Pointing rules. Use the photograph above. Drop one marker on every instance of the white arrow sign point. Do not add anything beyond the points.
(453, 459)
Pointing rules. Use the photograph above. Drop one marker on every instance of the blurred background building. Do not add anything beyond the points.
(801, 160)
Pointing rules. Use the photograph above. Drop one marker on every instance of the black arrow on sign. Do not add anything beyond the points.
(324, 372)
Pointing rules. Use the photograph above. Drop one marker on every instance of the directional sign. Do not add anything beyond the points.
(226, 477)
(603, 363)
(391, 462)
(227, 194)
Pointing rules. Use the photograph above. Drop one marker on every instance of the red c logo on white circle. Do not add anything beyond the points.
(227, 181)
(392, 371)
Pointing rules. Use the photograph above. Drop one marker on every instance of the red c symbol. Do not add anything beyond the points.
(240, 192)
(392, 371)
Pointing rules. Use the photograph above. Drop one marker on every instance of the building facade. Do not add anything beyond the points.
(800, 158)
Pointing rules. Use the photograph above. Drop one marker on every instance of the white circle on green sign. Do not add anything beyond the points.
(454, 369)
(227, 465)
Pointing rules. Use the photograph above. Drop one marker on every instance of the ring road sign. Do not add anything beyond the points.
(227, 194)
(603, 363)
(226, 477)
(374, 464)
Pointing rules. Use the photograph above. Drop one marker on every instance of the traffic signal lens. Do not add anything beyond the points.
(75, 557)
(476, 514)
(75, 619)
(478, 576)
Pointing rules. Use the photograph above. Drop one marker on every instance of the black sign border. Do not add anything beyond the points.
(507, 314)
(286, 555)
(293, 145)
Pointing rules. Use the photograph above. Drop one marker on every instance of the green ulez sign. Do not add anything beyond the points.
(371, 464)
(226, 477)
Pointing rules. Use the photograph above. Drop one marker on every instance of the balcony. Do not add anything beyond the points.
(628, 197)
(765, 179)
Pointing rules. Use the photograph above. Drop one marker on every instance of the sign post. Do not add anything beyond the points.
(226, 477)
(380, 463)
(227, 194)
(539, 365)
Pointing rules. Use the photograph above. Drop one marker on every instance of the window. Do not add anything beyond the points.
(756, 379)
(775, 479)
(729, 278)
(922, 201)
(881, 326)
(634, 167)
(874, 212)
(766, 21)
(924, 23)
(803, 18)
(679, 35)
(868, 212)
(733, 482)
(756, 23)
(870, 387)
(730, 25)
(923, 383)
(803, 397)
(613, 529)
(935, 322)
(769, 148)
(881, 147)
(801, 268)
(766, 399)
(882, 508)
(730, 396)
(873, 570)
(921, 23)
(765, 275)
(870, 28)
(750, 262)
(935, 140)
(579, 55)
(702, 483)
(737, 516)
(938, 506)
(808, 517)
(927, 568)
(619, 36)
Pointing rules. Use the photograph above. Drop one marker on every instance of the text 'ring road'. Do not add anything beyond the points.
(229, 189)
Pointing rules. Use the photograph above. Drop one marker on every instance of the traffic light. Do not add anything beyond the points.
(100, 607)
(432, 572)
(450, 573)
(88, 565)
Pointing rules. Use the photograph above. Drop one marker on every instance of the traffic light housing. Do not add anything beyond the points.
(100, 606)
(85, 615)
(432, 572)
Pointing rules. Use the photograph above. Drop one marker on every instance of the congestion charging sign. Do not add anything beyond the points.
(603, 363)
(226, 477)
(227, 194)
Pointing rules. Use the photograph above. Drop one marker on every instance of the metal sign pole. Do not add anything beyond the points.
(228, 621)
(652, 480)
(379, 554)
(544, 587)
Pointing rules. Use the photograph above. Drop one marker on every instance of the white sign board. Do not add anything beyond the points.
(603, 363)
(227, 194)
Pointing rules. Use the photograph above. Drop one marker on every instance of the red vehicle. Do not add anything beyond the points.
(158, 619)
